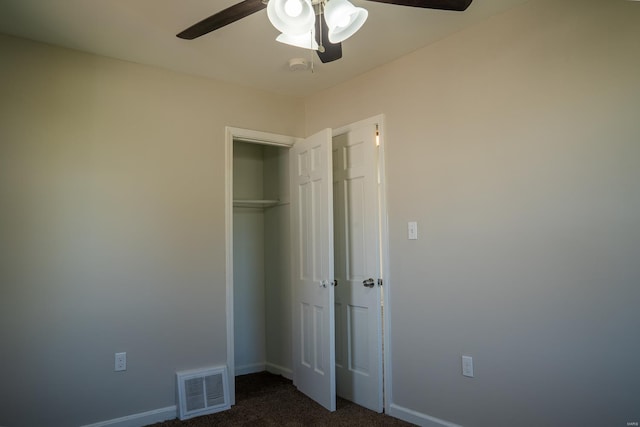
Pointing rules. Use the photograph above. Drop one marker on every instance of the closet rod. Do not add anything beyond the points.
(263, 142)
(245, 203)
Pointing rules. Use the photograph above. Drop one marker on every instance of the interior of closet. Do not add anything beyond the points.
(261, 261)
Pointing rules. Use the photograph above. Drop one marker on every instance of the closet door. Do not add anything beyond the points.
(312, 253)
(357, 246)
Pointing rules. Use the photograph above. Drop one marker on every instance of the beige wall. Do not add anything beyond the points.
(516, 146)
(111, 229)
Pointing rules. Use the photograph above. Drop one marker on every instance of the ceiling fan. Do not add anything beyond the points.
(336, 20)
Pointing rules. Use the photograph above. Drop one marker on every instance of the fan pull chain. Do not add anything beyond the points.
(311, 61)
(311, 52)
(320, 26)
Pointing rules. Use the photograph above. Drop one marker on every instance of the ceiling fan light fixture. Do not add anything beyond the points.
(343, 19)
(292, 17)
(305, 41)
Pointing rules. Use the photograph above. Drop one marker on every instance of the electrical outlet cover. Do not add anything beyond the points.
(121, 362)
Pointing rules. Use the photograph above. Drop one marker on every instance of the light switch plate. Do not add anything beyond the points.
(412, 229)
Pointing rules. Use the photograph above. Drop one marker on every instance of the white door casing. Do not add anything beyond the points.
(357, 249)
(312, 261)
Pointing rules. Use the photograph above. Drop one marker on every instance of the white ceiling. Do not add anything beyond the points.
(244, 52)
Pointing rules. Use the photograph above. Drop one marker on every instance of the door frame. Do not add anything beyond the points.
(263, 138)
(266, 138)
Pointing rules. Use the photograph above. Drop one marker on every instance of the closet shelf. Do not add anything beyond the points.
(247, 203)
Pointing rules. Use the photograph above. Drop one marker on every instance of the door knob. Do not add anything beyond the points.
(368, 283)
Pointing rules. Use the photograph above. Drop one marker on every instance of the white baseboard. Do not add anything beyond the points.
(142, 419)
(250, 369)
(266, 366)
(418, 418)
(279, 370)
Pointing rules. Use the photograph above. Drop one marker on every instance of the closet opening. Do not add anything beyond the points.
(261, 266)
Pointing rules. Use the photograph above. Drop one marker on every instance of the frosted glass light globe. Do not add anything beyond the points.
(293, 8)
(343, 20)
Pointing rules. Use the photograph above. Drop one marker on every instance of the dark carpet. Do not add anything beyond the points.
(265, 399)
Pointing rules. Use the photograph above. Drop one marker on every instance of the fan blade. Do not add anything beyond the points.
(222, 18)
(457, 5)
(332, 51)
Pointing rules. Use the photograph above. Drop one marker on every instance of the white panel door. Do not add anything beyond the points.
(312, 253)
(357, 259)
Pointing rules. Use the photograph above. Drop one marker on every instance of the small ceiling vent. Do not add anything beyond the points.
(202, 391)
